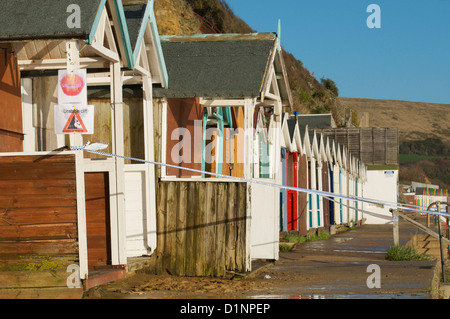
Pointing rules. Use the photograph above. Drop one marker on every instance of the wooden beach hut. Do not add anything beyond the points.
(225, 91)
(302, 175)
(73, 206)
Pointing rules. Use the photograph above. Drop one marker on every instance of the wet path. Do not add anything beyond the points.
(338, 268)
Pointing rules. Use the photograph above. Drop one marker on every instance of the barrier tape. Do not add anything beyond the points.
(390, 218)
(96, 147)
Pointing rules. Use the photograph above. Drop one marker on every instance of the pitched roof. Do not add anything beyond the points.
(32, 19)
(135, 16)
(291, 126)
(219, 65)
(138, 17)
(316, 121)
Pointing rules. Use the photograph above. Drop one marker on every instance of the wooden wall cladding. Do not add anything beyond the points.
(38, 205)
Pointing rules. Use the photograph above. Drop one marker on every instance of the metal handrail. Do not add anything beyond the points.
(396, 214)
(438, 207)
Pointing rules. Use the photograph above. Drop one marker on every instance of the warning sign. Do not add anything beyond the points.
(75, 124)
(72, 87)
(74, 119)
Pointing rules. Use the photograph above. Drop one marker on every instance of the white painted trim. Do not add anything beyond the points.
(320, 188)
(248, 138)
(222, 102)
(118, 229)
(81, 216)
(93, 81)
(135, 168)
(116, 23)
(100, 33)
(104, 165)
(109, 33)
(56, 64)
(150, 173)
(105, 53)
(143, 58)
(313, 196)
(199, 179)
(248, 229)
(29, 141)
(164, 138)
(142, 71)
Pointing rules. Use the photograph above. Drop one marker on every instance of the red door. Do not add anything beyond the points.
(292, 196)
(292, 210)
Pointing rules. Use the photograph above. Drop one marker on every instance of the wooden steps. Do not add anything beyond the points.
(102, 276)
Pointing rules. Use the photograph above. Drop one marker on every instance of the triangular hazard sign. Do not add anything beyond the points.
(75, 123)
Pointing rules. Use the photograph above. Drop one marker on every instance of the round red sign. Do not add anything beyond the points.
(72, 84)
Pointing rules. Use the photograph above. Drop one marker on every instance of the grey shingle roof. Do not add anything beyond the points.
(291, 127)
(134, 15)
(228, 66)
(317, 121)
(34, 19)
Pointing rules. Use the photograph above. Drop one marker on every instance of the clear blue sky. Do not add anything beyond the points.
(408, 58)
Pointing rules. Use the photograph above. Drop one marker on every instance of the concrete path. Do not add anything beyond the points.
(340, 267)
(336, 268)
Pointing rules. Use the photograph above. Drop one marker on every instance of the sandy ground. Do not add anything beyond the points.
(143, 285)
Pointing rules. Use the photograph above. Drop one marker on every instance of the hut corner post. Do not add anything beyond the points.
(73, 63)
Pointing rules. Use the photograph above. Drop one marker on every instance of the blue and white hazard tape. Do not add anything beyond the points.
(96, 147)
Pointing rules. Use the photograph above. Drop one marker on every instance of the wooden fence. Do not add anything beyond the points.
(201, 228)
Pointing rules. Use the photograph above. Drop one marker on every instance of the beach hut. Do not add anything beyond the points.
(377, 149)
(75, 205)
(302, 177)
(330, 150)
(220, 117)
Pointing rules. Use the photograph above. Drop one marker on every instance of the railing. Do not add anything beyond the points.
(397, 213)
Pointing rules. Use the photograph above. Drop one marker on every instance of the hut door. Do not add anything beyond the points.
(98, 219)
(291, 210)
(332, 218)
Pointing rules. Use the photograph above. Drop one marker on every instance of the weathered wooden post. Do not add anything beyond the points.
(395, 227)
